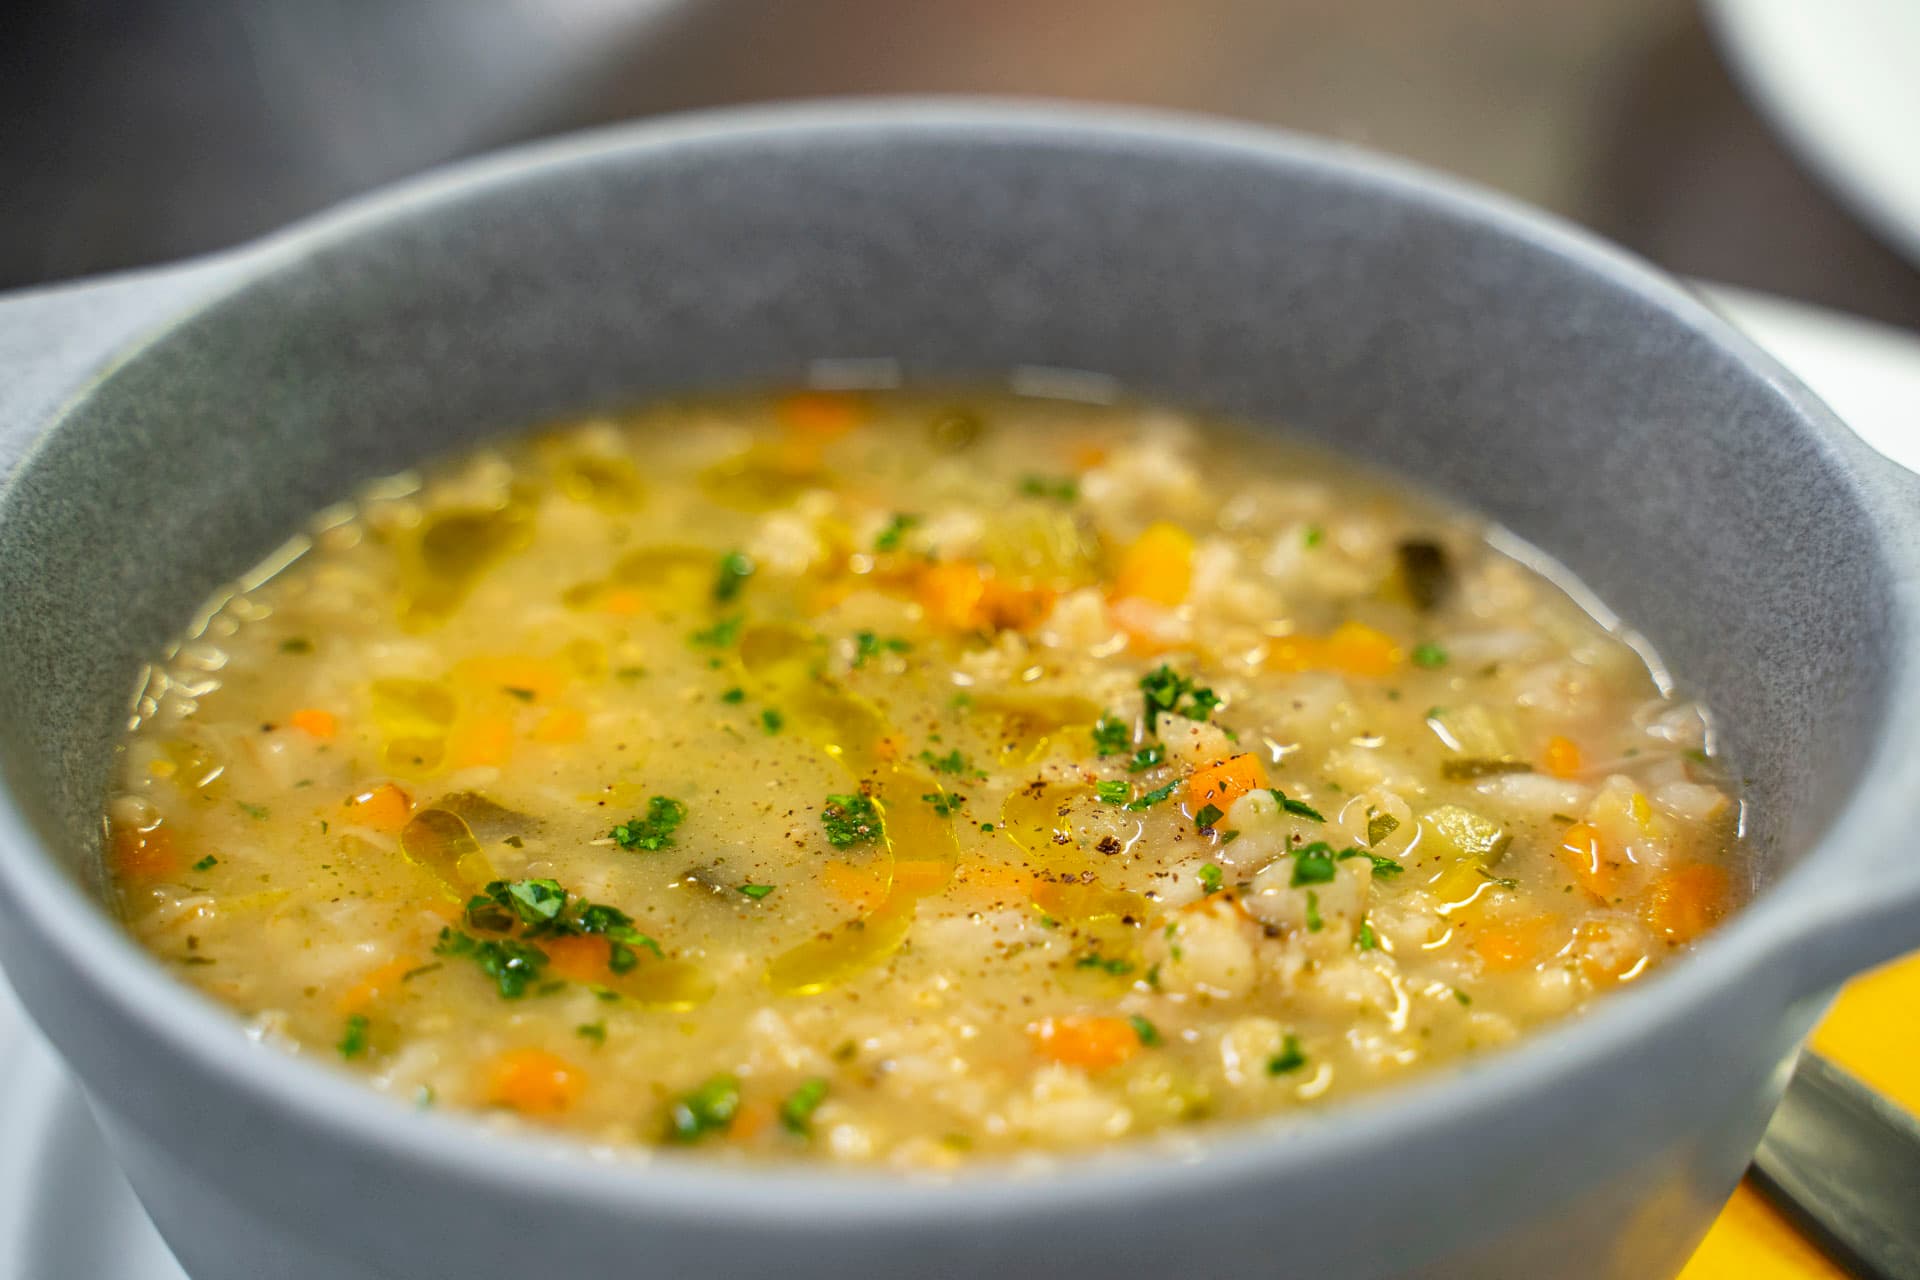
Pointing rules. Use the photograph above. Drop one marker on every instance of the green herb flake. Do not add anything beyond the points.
(655, 831)
(1365, 939)
(1212, 879)
(1314, 922)
(1314, 536)
(850, 820)
(1207, 816)
(1298, 808)
(594, 1031)
(1058, 488)
(952, 762)
(1463, 998)
(207, 863)
(1313, 864)
(1228, 837)
(258, 812)
(1165, 691)
(1429, 655)
(723, 634)
(756, 891)
(1154, 797)
(1106, 964)
(709, 1108)
(772, 722)
(797, 1108)
(986, 827)
(353, 1042)
(1146, 758)
(296, 644)
(1696, 755)
(1148, 1033)
(1111, 736)
(1289, 1059)
(731, 575)
(513, 966)
(1380, 826)
(734, 695)
(896, 529)
(946, 804)
(515, 691)
(1116, 791)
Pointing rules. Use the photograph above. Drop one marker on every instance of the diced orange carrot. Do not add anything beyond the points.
(384, 808)
(917, 877)
(383, 980)
(1092, 1043)
(1224, 781)
(1087, 455)
(823, 415)
(560, 726)
(480, 740)
(1157, 567)
(622, 602)
(752, 1118)
(144, 854)
(532, 1082)
(856, 886)
(1686, 901)
(952, 593)
(527, 676)
(579, 958)
(1561, 757)
(1360, 650)
(1593, 863)
(1603, 960)
(315, 723)
(1512, 945)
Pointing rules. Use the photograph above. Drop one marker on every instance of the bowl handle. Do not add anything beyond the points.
(53, 339)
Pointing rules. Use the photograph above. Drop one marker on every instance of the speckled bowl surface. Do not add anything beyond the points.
(160, 432)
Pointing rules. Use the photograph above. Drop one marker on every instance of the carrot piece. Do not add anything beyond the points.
(378, 982)
(952, 594)
(1087, 455)
(580, 958)
(532, 1082)
(1603, 960)
(1360, 650)
(622, 602)
(1157, 567)
(144, 854)
(560, 726)
(751, 1119)
(1593, 864)
(384, 808)
(1514, 945)
(1686, 901)
(823, 415)
(1561, 757)
(482, 740)
(315, 723)
(1092, 1043)
(853, 885)
(1224, 781)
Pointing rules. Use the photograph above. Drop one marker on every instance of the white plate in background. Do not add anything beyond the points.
(67, 1214)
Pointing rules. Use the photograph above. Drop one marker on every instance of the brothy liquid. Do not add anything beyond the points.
(901, 779)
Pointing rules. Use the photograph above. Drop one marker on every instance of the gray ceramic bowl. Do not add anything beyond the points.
(169, 428)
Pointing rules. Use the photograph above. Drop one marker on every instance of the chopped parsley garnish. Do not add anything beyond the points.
(515, 691)
(542, 909)
(1313, 864)
(756, 891)
(735, 694)
(1462, 998)
(594, 1031)
(710, 1108)
(986, 826)
(797, 1108)
(1208, 815)
(1146, 757)
(889, 537)
(1315, 535)
(1111, 736)
(296, 644)
(1380, 826)
(258, 812)
(946, 804)
(1059, 488)
(772, 722)
(1114, 792)
(353, 1043)
(1429, 656)
(1365, 939)
(1314, 922)
(1154, 797)
(734, 570)
(655, 831)
(1383, 866)
(1295, 807)
(513, 966)
(1106, 964)
(850, 820)
(1148, 1033)
(207, 863)
(1167, 691)
(1212, 879)
(1229, 836)
(1288, 1059)
(868, 645)
(721, 635)
(952, 762)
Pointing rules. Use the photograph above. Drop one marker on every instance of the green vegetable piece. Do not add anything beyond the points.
(1208, 816)
(1295, 807)
(1365, 939)
(1146, 758)
(513, 966)
(797, 1108)
(1059, 488)
(1384, 868)
(1165, 690)
(1380, 826)
(952, 762)
(1113, 792)
(1154, 797)
(655, 831)
(207, 863)
(850, 820)
(734, 570)
(756, 891)
(1148, 1033)
(723, 634)
(1212, 879)
(772, 722)
(946, 804)
(735, 694)
(708, 1108)
(1111, 737)
(1314, 922)
(353, 1043)
(1431, 656)
(1313, 864)
(889, 537)
(1462, 833)
(594, 1031)
(1289, 1059)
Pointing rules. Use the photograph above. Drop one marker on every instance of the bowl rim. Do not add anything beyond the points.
(456, 1147)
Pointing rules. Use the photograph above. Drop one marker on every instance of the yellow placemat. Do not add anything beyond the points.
(1873, 1030)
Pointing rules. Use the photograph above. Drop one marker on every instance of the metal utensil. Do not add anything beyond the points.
(1844, 1163)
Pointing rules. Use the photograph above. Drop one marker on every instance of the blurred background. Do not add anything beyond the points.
(137, 131)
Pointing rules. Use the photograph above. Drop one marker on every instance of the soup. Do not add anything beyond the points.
(888, 778)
